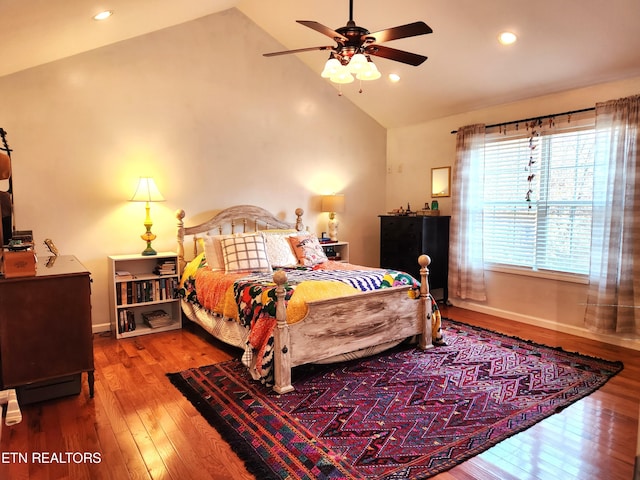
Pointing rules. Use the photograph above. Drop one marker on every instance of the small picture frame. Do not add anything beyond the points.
(441, 182)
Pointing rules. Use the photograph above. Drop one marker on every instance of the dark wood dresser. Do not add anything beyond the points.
(46, 341)
(404, 238)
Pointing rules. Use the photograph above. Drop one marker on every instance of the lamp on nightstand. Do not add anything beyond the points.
(333, 204)
(147, 192)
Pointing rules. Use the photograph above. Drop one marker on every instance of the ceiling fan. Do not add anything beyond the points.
(355, 45)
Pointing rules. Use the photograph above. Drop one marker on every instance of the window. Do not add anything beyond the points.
(551, 231)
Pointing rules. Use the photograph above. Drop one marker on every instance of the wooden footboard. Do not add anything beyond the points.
(347, 324)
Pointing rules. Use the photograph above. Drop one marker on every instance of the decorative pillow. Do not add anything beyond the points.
(279, 251)
(213, 251)
(191, 268)
(246, 253)
(308, 250)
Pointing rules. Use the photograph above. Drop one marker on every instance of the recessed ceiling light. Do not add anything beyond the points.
(507, 38)
(394, 77)
(103, 15)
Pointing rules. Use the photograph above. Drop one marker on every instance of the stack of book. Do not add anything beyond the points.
(124, 275)
(165, 267)
(157, 318)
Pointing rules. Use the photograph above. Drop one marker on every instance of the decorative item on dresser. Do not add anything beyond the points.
(366, 311)
(404, 237)
(45, 330)
(142, 294)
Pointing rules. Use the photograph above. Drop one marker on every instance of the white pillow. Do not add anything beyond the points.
(279, 251)
(213, 251)
(245, 254)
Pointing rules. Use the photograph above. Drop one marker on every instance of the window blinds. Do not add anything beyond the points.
(552, 231)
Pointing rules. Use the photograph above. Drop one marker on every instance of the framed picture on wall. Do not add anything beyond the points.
(441, 182)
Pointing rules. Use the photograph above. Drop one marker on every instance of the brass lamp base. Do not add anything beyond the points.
(148, 237)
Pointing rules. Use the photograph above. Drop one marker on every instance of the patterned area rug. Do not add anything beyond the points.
(402, 414)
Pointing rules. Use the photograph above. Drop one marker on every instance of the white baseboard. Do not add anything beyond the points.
(100, 327)
(626, 342)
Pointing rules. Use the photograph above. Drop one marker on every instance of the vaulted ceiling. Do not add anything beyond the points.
(562, 44)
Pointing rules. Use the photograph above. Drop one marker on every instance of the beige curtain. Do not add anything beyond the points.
(466, 263)
(613, 304)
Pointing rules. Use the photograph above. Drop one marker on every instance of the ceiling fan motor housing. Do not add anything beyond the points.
(356, 41)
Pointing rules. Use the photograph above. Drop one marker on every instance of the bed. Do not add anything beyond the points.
(339, 311)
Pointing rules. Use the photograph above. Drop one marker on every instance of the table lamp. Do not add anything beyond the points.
(333, 204)
(147, 192)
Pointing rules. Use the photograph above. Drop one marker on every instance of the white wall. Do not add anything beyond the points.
(212, 120)
(414, 150)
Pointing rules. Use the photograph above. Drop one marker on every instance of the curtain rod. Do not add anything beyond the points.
(536, 118)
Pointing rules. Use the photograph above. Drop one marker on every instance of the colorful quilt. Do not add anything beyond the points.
(250, 299)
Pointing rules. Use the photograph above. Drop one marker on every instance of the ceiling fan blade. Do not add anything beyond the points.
(395, 55)
(403, 31)
(318, 27)
(298, 50)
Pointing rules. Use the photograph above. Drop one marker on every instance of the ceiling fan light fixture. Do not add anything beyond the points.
(342, 76)
(357, 63)
(331, 68)
(350, 56)
(370, 72)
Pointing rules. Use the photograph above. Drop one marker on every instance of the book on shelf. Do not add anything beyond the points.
(142, 291)
(157, 318)
(122, 275)
(126, 321)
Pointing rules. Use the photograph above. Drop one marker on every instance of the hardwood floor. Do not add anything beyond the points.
(138, 426)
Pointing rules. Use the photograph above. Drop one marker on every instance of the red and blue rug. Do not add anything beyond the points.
(402, 414)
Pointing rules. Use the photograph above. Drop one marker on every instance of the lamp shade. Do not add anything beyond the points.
(342, 76)
(333, 203)
(331, 67)
(147, 191)
(357, 63)
(370, 72)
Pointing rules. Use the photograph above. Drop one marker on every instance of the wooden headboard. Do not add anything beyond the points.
(236, 219)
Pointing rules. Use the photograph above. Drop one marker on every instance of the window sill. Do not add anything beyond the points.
(547, 274)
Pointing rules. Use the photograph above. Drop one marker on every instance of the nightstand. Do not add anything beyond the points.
(142, 294)
(338, 251)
